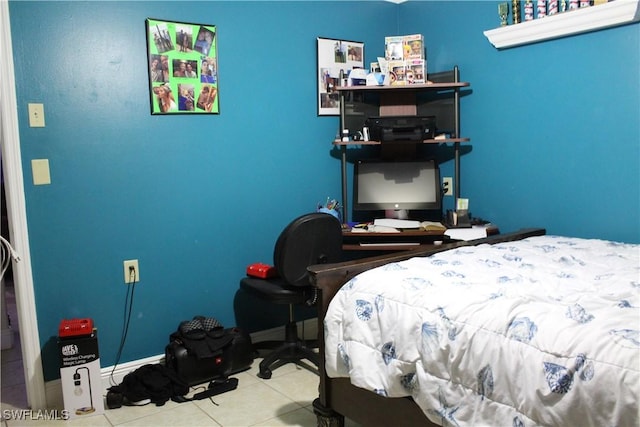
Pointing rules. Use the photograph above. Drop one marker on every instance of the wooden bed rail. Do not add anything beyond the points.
(327, 276)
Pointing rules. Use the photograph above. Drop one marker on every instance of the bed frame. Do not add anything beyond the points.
(338, 398)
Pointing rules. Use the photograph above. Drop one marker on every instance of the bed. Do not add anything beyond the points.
(517, 329)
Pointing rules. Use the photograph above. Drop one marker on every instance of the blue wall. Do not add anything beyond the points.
(554, 142)
(554, 126)
(194, 198)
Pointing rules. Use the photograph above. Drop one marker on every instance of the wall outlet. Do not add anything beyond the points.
(131, 271)
(447, 183)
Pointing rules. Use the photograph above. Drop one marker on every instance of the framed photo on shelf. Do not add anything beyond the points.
(183, 67)
(335, 59)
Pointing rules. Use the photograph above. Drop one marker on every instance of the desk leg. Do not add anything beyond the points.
(456, 167)
(345, 196)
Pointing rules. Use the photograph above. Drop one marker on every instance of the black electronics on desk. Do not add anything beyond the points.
(382, 187)
(401, 128)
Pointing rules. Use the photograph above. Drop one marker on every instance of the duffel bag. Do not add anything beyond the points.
(201, 350)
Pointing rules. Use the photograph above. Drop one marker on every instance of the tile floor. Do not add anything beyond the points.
(283, 400)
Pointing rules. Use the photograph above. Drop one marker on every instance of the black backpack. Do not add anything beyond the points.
(153, 382)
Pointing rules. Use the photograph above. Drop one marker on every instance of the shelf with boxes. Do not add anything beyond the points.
(585, 19)
(392, 101)
(405, 60)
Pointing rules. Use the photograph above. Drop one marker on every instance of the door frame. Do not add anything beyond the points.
(17, 215)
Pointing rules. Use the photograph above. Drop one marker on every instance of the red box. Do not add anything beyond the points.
(75, 327)
(262, 271)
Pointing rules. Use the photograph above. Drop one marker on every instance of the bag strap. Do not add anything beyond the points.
(215, 387)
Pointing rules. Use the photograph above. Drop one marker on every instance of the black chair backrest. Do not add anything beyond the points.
(314, 238)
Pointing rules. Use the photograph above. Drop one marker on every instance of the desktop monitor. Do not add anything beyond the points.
(397, 187)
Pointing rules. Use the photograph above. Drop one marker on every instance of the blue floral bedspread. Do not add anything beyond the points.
(543, 331)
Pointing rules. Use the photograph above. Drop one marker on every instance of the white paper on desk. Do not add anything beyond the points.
(382, 229)
(358, 230)
(396, 223)
(475, 232)
(391, 244)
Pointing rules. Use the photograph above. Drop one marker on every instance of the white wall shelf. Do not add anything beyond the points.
(593, 18)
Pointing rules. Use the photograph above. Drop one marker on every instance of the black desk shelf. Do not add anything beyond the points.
(426, 141)
(402, 101)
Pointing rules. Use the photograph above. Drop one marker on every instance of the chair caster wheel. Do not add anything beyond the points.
(265, 374)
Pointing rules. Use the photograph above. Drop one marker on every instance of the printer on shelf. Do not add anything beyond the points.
(401, 128)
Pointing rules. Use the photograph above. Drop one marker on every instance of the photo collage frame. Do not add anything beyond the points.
(183, 67)
(336, 58)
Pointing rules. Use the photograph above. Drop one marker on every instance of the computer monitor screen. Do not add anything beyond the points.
(388, 185)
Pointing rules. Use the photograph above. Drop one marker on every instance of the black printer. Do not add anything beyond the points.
(401, 128)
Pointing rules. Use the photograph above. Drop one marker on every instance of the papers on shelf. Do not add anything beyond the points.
(432, 226)
(396, 223)
(382, 229)
(475, 232)
(358, 230)
(387, 225)
(391, 244)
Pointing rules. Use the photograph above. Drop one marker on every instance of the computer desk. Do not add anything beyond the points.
(407, 240)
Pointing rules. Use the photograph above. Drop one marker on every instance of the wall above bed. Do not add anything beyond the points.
(555, 135)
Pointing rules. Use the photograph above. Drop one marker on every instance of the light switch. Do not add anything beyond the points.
(40, 170)
(36, 115)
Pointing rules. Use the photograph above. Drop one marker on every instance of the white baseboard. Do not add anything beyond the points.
(53, 389)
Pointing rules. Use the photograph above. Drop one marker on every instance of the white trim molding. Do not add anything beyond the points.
(593, 18)
(17, 213)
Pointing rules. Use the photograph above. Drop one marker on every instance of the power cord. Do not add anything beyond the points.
(7, 252)
(128, 309)
(443, 189)
(132, 274)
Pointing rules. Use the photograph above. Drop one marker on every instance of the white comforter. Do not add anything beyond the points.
(544, 331)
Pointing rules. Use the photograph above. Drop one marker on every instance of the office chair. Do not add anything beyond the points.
(314, 238)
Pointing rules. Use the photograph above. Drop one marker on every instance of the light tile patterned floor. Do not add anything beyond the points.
(283, 400)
